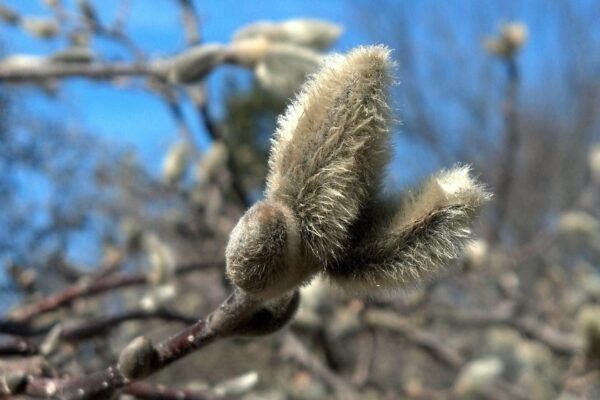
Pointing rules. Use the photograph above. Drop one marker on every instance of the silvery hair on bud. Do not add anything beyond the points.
(327, 161)
(412, 240)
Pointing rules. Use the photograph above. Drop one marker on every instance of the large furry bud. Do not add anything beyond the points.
(412, 241)
(326, 163)
(331, 147)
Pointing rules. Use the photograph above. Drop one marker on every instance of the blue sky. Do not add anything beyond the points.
(133, 116)
(137, 118)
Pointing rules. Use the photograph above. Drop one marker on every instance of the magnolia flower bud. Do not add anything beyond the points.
(175, 163)
(137, 358)
(588, 324)
(594, 163)
(411, 242)
(322, 211)
(331, 148)
(236, 386)
(511, 38)
(213, 161)
(41, 27)
(162, 260)
(284, 67)
(327, 159)
(248, 52)
(263, 253)
(515, 34)
(477, 376)
(579, 223)
(313, 33)
(476, 253)
(194, 64)
(51, 341)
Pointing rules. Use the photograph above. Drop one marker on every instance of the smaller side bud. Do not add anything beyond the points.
(263, 253)
(137, 358)
(271, 316)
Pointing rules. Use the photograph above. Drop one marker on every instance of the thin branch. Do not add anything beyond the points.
(100, 325)
(239, 314)
(510, 150)
(91, 288)
(54, 70)
(559, 342)
(17, 347)
(425, 340)
(199, 98)
(190, 21)
(143, 390)
(294, 349)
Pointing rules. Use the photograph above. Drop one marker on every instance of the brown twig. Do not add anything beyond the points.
(425, 340)
(146, 391)
(17, 347)
(294, 349)
(190, 21)
(239, 314)
(559, 342)
(91, 288)
(510, 150)
(99, 326)
(54, 70)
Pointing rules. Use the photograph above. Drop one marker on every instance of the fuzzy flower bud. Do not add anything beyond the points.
(313, 33)
(327, 159)
(478, 376)
(41, 27)
(594, 163)
(175, 163)
(509, 41)
(413, 241)
(322, 210)
(195, 63)
(588, 324)
(284, 67)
